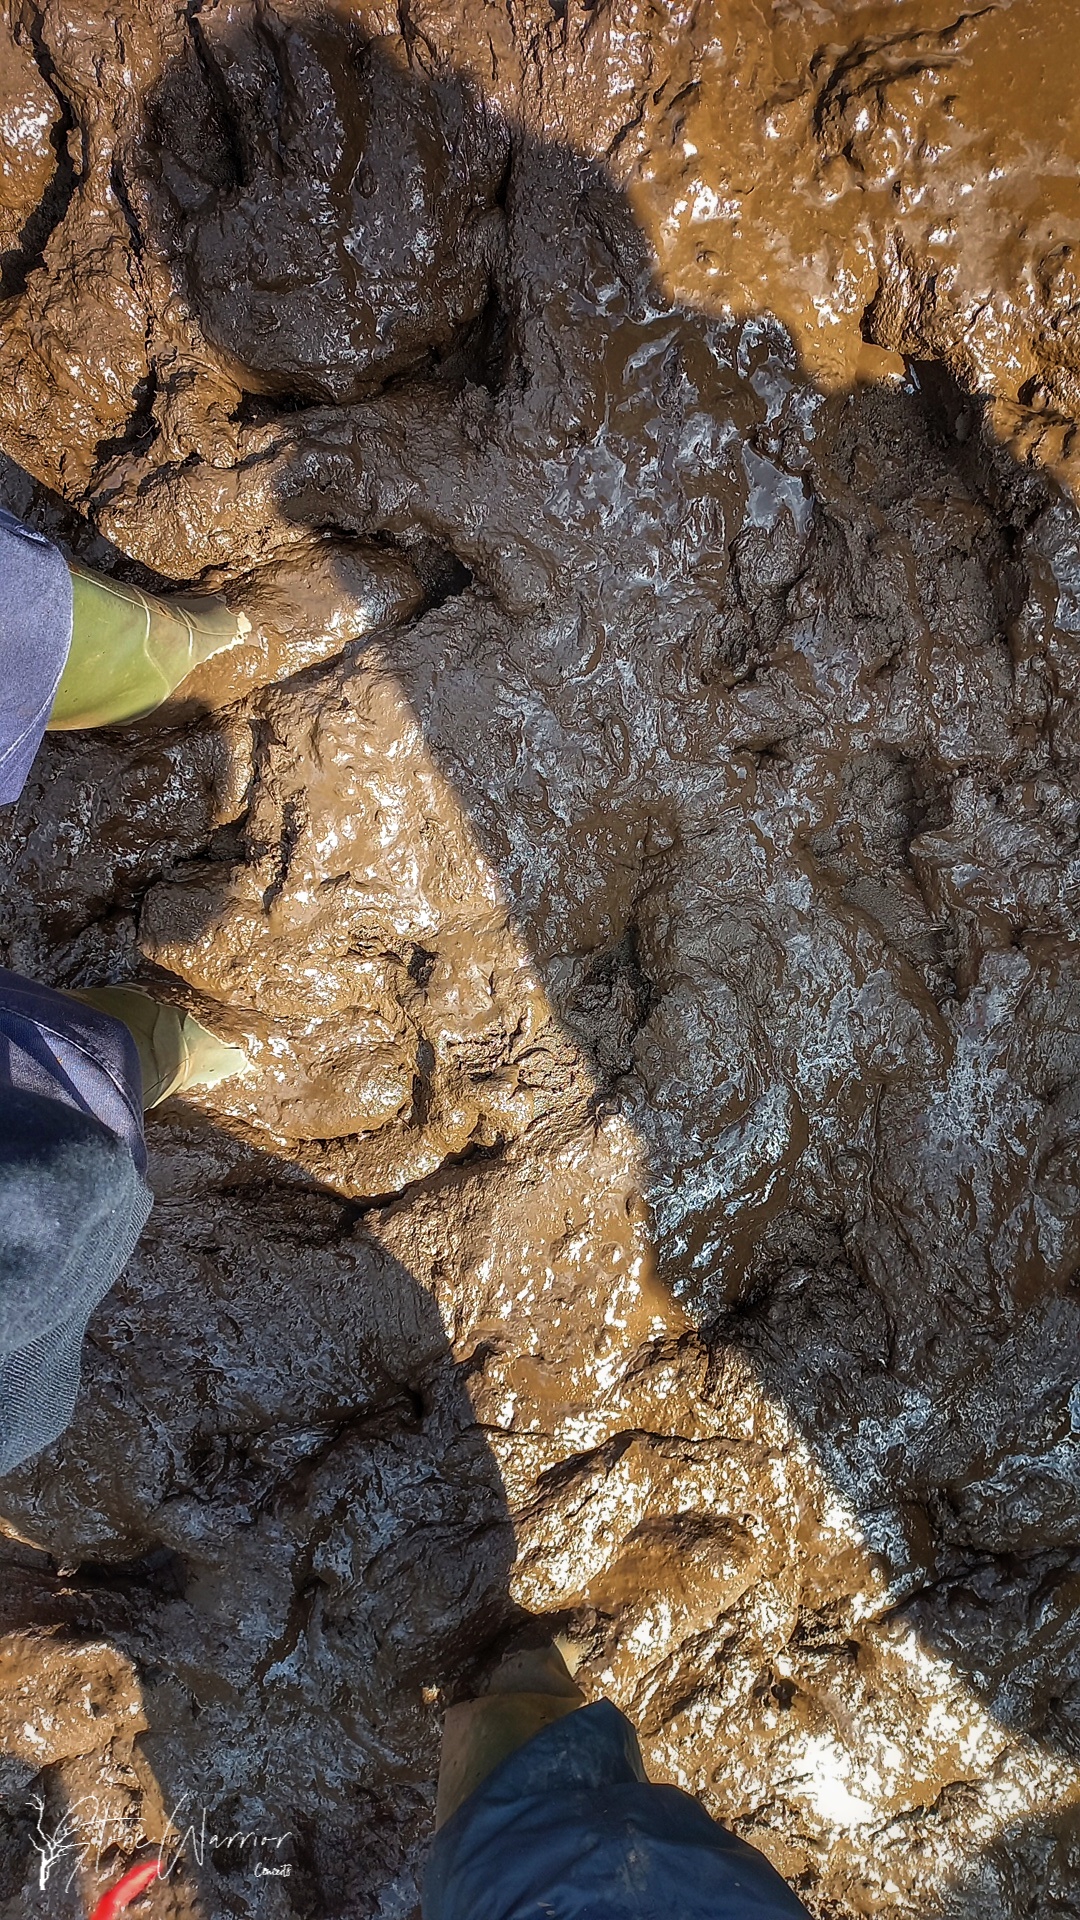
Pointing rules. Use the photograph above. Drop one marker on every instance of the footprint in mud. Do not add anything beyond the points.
(650, 899)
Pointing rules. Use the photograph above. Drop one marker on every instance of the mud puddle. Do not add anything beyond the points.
(640, 853)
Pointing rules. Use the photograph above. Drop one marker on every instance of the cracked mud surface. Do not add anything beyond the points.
(641, 853)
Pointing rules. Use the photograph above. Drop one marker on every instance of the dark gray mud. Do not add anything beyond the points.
(641, 854)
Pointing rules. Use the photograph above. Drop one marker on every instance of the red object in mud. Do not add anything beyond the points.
(128, 1888)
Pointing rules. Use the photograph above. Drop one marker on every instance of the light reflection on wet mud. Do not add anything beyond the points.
(649, 897)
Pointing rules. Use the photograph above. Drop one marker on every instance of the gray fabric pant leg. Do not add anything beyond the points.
(73, 1199)
(72, 1207)
(35, 634)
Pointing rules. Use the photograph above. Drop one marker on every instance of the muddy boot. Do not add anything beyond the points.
(305, 606)
(130, 650)
(175, 1052)
(527, 1692)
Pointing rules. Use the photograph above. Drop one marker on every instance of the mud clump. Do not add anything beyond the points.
(338, 217)
(640, 857)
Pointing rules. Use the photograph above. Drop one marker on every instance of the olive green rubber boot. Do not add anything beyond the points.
(175, 1052)
(527, 1692)
(130, 650)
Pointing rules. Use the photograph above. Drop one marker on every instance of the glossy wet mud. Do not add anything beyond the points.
(639, 852)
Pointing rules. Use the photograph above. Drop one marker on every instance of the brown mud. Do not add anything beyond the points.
(640, 851)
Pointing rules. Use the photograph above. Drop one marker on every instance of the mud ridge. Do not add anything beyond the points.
(639, 851)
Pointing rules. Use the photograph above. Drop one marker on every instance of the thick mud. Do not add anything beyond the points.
(641, 853)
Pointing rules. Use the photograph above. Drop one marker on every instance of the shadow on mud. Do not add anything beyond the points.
(663, 587)
(277, 1457)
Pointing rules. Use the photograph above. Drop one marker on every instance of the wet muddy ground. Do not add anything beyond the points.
(641, 853)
